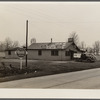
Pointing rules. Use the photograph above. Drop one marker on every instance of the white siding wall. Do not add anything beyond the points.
(2, 54)
(63, 57)
(46, 55)
(12, 56)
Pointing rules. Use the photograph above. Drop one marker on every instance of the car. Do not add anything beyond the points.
(86, 57)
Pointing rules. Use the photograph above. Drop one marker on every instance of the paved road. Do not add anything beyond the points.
(87, 79)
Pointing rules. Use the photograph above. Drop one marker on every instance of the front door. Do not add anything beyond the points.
(72, 54)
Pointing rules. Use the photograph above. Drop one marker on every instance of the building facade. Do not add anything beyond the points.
(48, 51)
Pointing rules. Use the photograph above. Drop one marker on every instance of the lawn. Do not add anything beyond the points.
(41, 68)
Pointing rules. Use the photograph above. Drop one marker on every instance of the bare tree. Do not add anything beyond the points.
(15, 44)
(89, 50)
(96, 47)
(8, 43)
(82, 45)
(33, 40)
(75, 37)
(2, 46)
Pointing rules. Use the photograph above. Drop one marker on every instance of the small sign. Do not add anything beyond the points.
(77, 55)
(21, 52)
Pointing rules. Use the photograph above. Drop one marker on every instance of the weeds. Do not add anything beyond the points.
(44, 68)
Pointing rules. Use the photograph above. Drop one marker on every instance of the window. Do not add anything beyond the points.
(39, 52)
(67, 53)
(9, 52)
(54, 53)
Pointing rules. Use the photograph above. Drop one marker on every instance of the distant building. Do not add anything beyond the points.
(49, 51)
(10, 53)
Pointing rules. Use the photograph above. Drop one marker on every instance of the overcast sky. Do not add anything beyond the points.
(50, 20)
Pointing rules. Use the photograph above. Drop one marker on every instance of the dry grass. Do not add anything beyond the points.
(40, 68)
(54, 68)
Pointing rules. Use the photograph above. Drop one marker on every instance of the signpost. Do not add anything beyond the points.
(21, 52)
(26, 40)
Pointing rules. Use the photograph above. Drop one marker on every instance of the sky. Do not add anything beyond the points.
(48, 20)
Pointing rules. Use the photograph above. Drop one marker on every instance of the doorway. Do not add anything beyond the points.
(72, 54)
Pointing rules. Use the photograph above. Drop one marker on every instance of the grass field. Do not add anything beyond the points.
(40, 68)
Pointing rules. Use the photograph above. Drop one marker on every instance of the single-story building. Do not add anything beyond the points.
(10, 53)
(49, 51)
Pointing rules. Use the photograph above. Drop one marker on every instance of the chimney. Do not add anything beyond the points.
(70, 40)
(51, 40)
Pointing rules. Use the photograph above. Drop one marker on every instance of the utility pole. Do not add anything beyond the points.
(26, 40)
